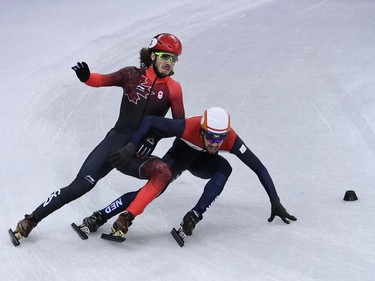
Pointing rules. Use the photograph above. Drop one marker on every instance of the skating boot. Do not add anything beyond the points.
(89, 224)
(119, 228)
(23, 229)
(189, 221)
(25, 225)
(123, 222)
(94, 221)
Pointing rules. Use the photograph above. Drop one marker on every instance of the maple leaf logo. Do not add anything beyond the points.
(141, 90)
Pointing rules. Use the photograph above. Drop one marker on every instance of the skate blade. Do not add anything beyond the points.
(179, 236)
(15, 237)
(115, 236)
(77, 229)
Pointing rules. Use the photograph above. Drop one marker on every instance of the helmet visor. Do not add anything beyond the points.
(212, 137)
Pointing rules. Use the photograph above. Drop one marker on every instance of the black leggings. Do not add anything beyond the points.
(95, 167)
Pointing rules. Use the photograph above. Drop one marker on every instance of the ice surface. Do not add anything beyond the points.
(296, 75)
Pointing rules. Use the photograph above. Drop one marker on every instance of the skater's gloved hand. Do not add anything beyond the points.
(278, 210)
(82, 71)
(121, 158)
(148, 144)
(146, 147)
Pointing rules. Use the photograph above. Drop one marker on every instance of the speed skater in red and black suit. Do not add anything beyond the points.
(148, 90)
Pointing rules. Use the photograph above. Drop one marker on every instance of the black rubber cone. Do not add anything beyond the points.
(350, 195)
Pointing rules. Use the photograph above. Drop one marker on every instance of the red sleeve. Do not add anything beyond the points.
(95, 80)
(177, 103)
(112, 79)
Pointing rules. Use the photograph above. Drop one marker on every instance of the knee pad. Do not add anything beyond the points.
(159, 173)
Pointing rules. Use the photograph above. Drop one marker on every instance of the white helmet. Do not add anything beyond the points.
(215, 123)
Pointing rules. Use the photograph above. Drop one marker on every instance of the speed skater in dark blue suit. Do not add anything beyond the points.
(199, 139)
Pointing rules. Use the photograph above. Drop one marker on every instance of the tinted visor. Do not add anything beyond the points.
(212, 137)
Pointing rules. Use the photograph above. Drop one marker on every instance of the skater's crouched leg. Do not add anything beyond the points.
(158, 172)
(54, 201)
(159, 176)
(57, 199)
(80, 186)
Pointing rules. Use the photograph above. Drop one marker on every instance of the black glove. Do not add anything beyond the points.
(121, 158)
(278, 210)
(146, 147)
(82, 71)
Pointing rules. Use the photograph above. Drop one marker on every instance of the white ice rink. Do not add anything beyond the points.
(297, 76)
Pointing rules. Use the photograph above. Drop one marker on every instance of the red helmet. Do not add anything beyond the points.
(166, 42)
